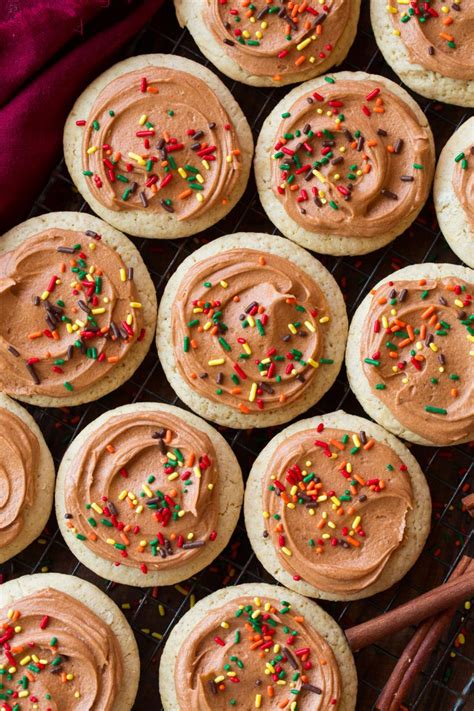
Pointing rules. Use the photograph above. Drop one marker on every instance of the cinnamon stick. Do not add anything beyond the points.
(431, 603)
(417, 652)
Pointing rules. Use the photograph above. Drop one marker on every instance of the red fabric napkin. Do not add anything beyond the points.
(49, 51)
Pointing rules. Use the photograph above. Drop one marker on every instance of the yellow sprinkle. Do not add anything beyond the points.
(286, 550)
(218, 679)
(123, 495)
(44, 295)
(207, 326)
(266, 514)
(173, 476)
(392, 10)
(199, 178)
(205, 164)
(356, 522)
(459, 303)
(142, 119)
(253, 392)
(255, 614)
(303, 44)
(248, 350)
(313, 363)
(324, 319)
(97, 508)
(147, 491)
(137, 158)
(225, 625)
(199, 197)
(356, 440)
(110, 541)
(309, 326)
(433, 347)
(25, 660)
(135, 305)
(182, 173)
(216, 361)
(292, 328)
(251, 321)
(224, 284)
(91, 150)
(99, 310)
(123, 275)
(197, 472)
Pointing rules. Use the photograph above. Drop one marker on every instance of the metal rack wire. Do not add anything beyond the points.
(448, 683)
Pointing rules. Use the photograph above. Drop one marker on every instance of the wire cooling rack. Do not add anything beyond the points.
(447, 683)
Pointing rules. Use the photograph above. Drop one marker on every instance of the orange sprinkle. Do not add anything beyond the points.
(446, 36)
(352, 541)
(36, 334)
(300, 60)
(428, 312)
(369, 444)
(91, 536)
(112, 359)
(152, 89)
(454, 392)
(337, 444)
(243, 408)
(110, 448)
(185, 194)
(262, 261)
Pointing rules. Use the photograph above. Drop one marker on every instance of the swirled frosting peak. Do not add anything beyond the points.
(256, 653)
(248, 329)
(417, 352)
(19, 455)
(269, 39)
(158, 140)
(335, 504)
(437, 35)
(56, 654)
(69, 311)
(351, 159)
(142, 493)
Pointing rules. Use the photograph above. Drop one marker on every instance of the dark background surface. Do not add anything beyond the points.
(449, 678)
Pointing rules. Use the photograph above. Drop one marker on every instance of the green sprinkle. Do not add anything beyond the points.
(417, 166)
(286, 114)
(380, 386)
(330, 80)
(186, 344)
(371, 361)
(436, 410)
(333, 205)
(68, 386)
